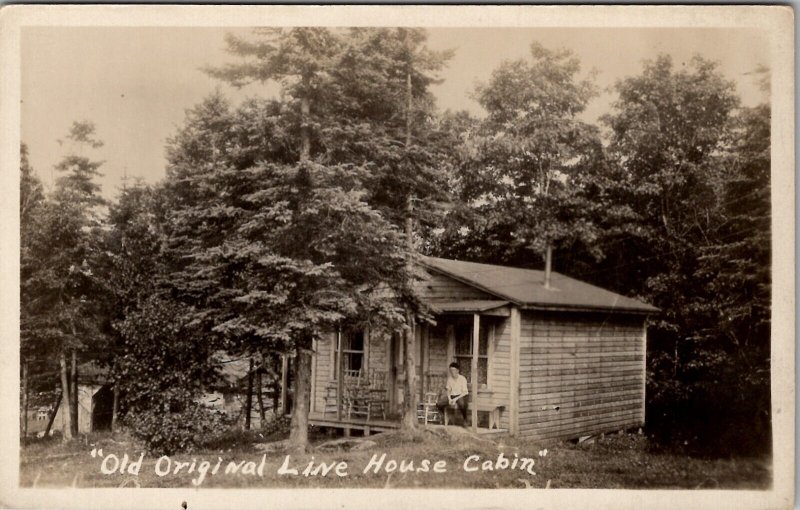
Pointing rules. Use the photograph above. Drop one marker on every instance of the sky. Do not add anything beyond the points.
(136, 83)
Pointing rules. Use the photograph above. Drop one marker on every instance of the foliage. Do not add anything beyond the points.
(525, 169)
(164, 368)
(59, 255)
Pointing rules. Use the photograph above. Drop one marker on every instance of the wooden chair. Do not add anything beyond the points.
(427, 412)
(357, 402)
(331, 402)
(351, 378)
(378, 396)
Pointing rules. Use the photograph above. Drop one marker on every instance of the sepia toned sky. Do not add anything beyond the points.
(136, 83)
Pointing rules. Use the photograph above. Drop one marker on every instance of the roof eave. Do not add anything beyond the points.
(471, 283)
(577, 308)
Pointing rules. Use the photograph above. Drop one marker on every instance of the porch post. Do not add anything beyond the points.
(339, 381)
(476, 335)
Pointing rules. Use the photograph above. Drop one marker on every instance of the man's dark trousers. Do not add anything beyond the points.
(443, 403)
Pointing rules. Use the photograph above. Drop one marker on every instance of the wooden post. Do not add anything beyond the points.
(339, 375)
(284, 384)
(513, 405)
(476, 336)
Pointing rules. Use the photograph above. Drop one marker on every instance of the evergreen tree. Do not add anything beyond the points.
(61, 278)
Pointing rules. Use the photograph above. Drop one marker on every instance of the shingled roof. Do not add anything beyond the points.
(525, 288)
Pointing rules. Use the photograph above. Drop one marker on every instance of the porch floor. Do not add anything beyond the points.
(376, 425)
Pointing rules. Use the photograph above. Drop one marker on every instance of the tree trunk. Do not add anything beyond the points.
(249, 401)
(409, 363)
(24, 414)
(115, 402)
(115, 408)
(65, 391)
(73, 402)
(305, 135)
(298, 437)
(262, 415)
(52, 417)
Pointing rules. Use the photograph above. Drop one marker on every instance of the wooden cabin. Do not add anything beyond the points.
(556, 360)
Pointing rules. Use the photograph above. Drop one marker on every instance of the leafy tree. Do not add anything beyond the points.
(164, 369)
(734, 361)
(670, 131)
(132, 269)
(31, 199)
(526, 170)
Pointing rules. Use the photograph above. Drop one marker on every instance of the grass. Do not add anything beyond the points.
(615, 461)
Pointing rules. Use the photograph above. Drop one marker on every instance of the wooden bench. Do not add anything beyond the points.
(494, 411)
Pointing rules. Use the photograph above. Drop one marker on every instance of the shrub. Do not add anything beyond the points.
(168, 432)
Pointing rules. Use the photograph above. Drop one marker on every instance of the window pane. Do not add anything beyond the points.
(482, 370)
(464, 365)
(483, 341)
(352, 361)
(353, 341)
(463, 339)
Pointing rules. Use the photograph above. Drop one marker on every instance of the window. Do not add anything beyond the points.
(463, 351)
(352, 352)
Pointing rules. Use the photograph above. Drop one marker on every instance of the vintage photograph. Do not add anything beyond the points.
(395, 257)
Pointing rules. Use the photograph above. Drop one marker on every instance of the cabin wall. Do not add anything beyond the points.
(322, 370)
(500, 369)
(580, 374)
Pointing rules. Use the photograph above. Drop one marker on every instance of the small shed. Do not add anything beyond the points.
(555, 359)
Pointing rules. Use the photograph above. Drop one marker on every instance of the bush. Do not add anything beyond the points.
(164, 433)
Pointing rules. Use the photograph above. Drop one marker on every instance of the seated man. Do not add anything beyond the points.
(456, 393)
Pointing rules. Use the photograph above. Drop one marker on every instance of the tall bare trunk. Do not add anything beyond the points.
(24, 414)
(305, 135)
(409, 362)
(73, 402)
(409, 421)
(115, 402)
(298, 437)
(248, 408)
(65, 391)
(115, 408)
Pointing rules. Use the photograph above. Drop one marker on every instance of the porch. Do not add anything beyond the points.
(358, 375)
(367, 427)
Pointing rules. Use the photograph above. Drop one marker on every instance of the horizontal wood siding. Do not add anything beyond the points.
(438, 287)
(500, 371)
(323, 370)
(437, 350)
(580, 374)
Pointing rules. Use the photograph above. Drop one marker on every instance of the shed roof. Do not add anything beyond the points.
(525, 287)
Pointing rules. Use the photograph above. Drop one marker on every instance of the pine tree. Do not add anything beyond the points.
(280, 247)
(61, 278)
